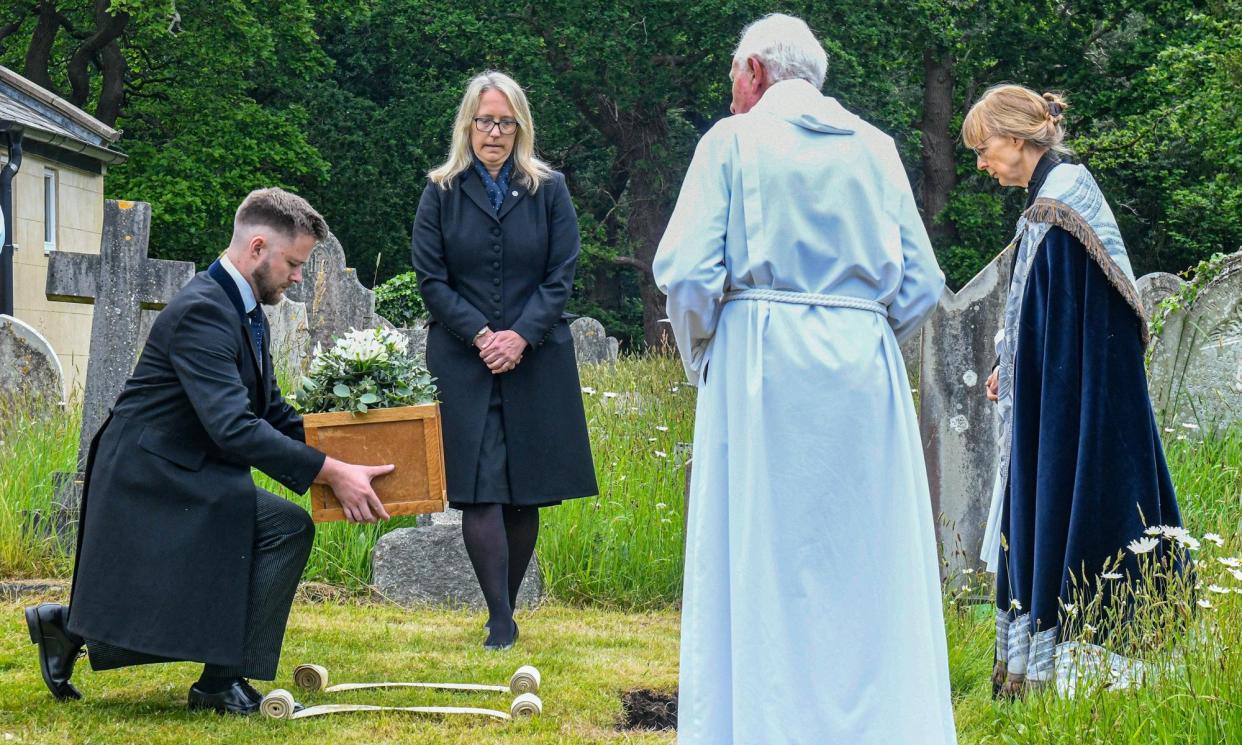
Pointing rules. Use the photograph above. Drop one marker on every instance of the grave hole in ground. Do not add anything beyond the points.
(645, 709)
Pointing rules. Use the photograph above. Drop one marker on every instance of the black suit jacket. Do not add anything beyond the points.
(508, 270)
(167, 519)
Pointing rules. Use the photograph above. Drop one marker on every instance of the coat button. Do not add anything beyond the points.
(496, 247)
(496, 297)
(497, 314)
(495, 231)
(495, 264)
(496, 281)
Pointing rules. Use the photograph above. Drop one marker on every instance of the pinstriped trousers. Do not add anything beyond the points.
(283, 533)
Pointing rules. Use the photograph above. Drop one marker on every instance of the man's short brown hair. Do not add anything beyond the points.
(283, 211)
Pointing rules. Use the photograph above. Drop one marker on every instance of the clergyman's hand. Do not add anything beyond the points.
(351, 484)
(993, 385)
(503, 351)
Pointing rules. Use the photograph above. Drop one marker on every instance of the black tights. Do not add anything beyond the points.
(500, 540)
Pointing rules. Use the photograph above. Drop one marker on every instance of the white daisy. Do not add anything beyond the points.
(1111, 575)
(587, 390)
(1214, 538)
(661, 454)
(1231, 562)
(1190, 425)
(1154, 530)
(661, 428)
(1237, 574)
(609, 394)
(1014, 604)
(1218, 589)
(660, 505)
(1204, 604)
(1143, 545)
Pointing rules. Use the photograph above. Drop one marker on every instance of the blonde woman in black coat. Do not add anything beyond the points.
(495, 246)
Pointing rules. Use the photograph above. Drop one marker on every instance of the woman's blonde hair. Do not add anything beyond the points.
(1015, 111)
(530, 170)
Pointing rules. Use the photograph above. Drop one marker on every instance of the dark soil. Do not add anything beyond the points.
(649, 710)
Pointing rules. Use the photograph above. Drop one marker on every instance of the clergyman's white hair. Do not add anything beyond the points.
(786, 47)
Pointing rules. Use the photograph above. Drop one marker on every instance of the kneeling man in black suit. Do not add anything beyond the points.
(180, 556)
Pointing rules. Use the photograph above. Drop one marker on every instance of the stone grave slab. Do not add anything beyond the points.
(592, 344)
(334, 298)
(30, 371)
(428, 565)
(120, 282)
(956, 420)
(1195, 368)
(1157, 286)
(291, 338)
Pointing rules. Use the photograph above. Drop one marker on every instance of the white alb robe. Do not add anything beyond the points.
(812, 609)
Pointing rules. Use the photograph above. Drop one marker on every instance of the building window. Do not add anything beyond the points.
(50, 210)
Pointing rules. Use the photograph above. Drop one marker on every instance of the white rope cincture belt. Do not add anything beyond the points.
(807, 298)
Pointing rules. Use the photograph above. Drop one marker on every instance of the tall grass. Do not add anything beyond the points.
(36, 441)
(1188, 636)
(624, 547)
(341, 554)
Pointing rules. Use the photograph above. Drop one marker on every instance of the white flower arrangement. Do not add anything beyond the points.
(362, 370)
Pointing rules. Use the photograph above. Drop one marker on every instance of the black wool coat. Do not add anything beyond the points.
(512, 270)
(167, 518)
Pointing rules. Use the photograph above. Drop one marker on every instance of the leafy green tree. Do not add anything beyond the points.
(206, 91)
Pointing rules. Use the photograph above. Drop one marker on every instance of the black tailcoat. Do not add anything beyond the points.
(512, 270)
(167, 520)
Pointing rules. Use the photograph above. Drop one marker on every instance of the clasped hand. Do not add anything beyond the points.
(501, 351)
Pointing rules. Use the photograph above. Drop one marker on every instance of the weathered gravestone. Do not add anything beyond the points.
(120, 282)
(591, 343)
(30, 372)
(1195, 369)
(335, 300)
(957, 421)
(1155, 287)
(428, 565)
(417, 338)
(290, 338)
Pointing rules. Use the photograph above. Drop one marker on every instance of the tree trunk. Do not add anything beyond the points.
(939, 153)
(108, 28)
(39, 53)
(112, 94)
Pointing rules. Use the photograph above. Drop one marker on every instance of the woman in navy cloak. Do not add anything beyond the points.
(1082, 472)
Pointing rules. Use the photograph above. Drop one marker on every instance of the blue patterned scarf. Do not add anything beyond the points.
(496, 187)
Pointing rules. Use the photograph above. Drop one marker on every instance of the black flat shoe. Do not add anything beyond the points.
(232, 700)
(499, 645)
(58, 648)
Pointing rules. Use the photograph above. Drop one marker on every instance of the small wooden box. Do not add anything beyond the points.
(406, 436)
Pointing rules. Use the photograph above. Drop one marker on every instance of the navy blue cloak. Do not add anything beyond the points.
(1088, 472)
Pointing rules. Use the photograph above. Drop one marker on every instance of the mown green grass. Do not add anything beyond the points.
(587, 657)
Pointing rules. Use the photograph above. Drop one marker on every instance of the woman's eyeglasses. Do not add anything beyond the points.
(486, 124)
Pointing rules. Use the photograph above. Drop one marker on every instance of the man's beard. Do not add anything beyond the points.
(269, 292)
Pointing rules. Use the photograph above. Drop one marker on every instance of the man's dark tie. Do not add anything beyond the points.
(256, 332)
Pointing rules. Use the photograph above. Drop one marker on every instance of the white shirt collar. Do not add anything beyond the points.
(247, 294)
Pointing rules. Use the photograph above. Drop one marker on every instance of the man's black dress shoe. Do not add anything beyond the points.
(232, 700)
(58, 648)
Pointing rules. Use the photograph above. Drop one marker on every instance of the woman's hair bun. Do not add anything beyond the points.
(1056, 107)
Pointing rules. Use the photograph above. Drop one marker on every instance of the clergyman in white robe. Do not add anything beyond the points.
(794, 263)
